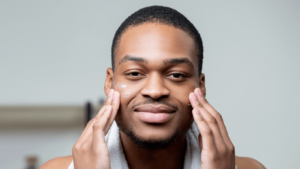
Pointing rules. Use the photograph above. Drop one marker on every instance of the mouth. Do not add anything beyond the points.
(155, 113)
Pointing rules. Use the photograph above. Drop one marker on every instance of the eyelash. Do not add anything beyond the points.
(130, 74)
(181, 75)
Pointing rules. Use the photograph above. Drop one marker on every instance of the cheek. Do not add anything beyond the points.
(125, 90)
(181, 93)
(126, 94)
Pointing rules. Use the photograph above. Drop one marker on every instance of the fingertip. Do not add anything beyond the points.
(196, 112)
(116, 96)
(110, 93)
(192, 96)
(196, 91)
(199, 92)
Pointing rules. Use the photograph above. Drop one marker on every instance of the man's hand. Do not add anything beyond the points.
(90, 151)
(217, 150)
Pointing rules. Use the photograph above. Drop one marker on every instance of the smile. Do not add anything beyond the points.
(154, 113)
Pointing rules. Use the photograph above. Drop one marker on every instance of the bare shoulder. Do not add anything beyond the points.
(58, 163)
(248, 163)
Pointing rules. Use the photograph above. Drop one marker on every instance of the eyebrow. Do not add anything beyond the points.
(179, 61)
(132, 58)
(166, 61)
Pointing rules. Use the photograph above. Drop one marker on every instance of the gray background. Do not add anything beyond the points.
(57, 52)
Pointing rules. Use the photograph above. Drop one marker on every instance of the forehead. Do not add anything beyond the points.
(156, 42)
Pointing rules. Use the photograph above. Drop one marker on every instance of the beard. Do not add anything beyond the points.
(152, 144)
(149, 144)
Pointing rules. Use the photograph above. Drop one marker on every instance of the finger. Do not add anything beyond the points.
(86, 133)
(89, 127)
(208, 141)
(216, 115)
(106, 103)
(87, 145)
(98, 128)
(211, 122)
(115, 107)
(109, 97)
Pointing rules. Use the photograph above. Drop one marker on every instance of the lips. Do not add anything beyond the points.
(154, 109)
(155, 113)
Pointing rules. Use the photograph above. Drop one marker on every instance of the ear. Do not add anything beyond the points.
(202, 84)
(108, 80)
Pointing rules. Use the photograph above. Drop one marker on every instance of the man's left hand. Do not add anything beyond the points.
(217, 150)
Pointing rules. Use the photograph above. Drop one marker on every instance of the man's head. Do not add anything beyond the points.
(157, 58)
(159, 15)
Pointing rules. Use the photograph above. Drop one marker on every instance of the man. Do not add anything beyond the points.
(156, 94)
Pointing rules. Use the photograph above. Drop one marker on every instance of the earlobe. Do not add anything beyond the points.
(108, 80)
(202, 84)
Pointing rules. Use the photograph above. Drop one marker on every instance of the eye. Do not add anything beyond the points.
(134, 74)
(177, 75)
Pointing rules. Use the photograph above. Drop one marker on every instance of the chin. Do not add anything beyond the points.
(151, 136)
(155, 132)
(150, 140)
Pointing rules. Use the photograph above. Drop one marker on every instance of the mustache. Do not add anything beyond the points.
(155, 102)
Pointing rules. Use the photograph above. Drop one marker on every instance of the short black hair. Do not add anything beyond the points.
(162, 15)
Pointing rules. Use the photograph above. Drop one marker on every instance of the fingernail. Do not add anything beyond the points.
(199, 91)
(194, 96)
(110, 93)
(196, 111)
(115, 96)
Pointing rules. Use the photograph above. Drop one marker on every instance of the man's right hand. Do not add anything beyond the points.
(90, 151)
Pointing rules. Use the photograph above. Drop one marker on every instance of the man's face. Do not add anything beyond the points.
(155, 70)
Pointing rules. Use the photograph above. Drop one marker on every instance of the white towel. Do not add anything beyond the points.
(118, 161)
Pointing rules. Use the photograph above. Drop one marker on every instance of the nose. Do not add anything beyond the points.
(155, 87)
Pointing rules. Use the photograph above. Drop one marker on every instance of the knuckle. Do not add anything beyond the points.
(219, 116)
(104, 117)
(107, 102)
(84, 149)
(223, 151)
(198, 104)
(90, 122)
(212, 120)
(208, 131)
(201, 119)
(102, 108)
(215, 157)
(205, 101)
(97, 126)
(231, 149)
(75, 148)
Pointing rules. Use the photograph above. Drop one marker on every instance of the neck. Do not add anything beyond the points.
(172, 157)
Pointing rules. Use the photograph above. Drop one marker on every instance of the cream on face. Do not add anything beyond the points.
(121, 87)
